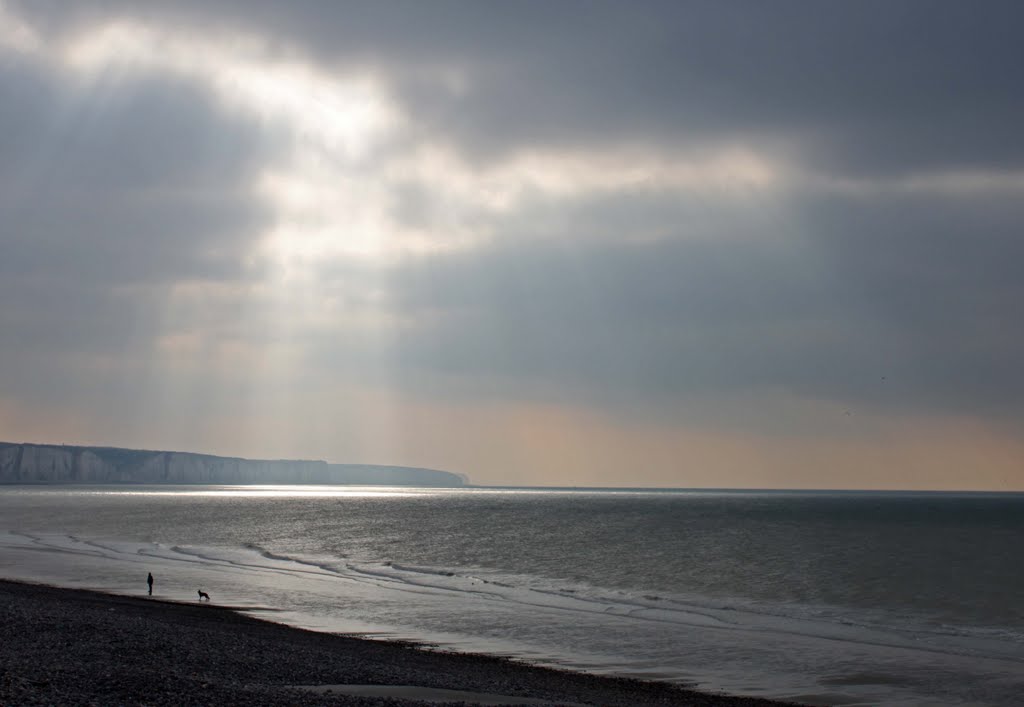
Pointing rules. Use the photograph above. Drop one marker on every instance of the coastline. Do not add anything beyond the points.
(76, 646)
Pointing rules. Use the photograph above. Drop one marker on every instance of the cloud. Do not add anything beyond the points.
(115, 186)
(867, 88)
(726, 218)
(896, 302)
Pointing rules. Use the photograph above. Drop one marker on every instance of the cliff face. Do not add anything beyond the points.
(52, 464)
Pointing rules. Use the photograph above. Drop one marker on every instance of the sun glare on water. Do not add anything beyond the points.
(272, 491)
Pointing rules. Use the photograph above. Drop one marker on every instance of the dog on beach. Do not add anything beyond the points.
(203, 595)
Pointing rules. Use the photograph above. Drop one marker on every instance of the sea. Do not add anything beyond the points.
(823, 598)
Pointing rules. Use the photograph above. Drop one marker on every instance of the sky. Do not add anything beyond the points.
(584, 243)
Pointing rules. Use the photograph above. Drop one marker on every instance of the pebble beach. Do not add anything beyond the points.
(78, 647)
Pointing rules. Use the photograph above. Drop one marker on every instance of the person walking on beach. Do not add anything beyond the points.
(149, 581)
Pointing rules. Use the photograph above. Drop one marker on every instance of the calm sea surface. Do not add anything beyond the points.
(825, 598)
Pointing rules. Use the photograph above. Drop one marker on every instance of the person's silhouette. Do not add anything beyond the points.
(149, 581)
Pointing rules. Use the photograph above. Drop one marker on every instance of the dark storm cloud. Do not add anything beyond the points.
(896, 301)
(112, 190)
(121, 180)
(865, 87)
(857, 87)
(939, 280)
(121, 129)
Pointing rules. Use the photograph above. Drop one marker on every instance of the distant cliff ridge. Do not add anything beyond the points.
(60, 464)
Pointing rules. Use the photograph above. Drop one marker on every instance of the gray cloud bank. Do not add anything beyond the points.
(919, 293)
(872, 87)
(631, 296)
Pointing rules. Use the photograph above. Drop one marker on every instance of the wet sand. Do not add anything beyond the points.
(76, 647)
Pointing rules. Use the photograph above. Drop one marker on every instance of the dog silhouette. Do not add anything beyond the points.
(203, 595)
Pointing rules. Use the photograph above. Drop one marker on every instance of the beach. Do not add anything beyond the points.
(77, 647)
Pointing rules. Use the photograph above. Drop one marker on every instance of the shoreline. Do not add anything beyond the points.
(78, 646)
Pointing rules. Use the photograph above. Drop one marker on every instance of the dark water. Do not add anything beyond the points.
(901, 572)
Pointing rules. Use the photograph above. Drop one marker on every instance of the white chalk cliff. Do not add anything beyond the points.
(22, 463)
